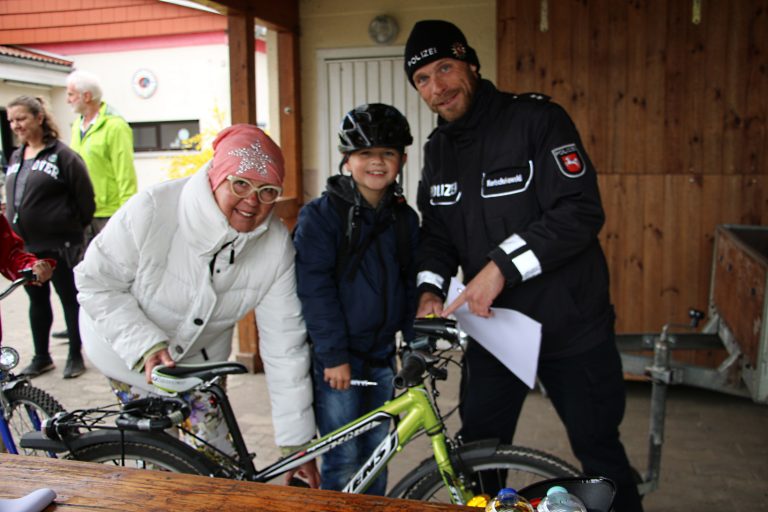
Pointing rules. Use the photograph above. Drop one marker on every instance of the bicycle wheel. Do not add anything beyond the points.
(28, 406)
(156, 451)
(487, 467)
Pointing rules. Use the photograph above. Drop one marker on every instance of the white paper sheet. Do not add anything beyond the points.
(511, 336)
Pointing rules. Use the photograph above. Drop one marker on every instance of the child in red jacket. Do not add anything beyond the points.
(14, 259)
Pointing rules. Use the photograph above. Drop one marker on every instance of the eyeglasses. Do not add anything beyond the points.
(243, 188)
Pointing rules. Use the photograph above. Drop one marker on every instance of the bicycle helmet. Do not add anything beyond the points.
(374, 125)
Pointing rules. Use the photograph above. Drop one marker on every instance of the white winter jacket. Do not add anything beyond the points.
(168, 267)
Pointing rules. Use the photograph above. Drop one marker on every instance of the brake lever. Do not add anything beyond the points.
(438, 373)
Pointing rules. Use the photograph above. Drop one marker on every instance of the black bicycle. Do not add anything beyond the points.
(23, 407)
(456, 473)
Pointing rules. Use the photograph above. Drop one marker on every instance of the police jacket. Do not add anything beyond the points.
(511, 182)
(356, 311)
(56, 201)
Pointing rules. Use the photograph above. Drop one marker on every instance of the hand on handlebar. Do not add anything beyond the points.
(429, 304)
(43, 270)
(480, 292)
(159, 357)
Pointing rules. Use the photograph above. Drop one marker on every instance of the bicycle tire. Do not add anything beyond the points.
(141, 450)
(507, 465)
(28, 406)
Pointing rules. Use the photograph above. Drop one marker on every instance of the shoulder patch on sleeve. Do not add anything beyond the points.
(569, 161)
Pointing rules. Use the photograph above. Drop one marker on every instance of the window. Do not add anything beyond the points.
(6, 139)
(164, 135)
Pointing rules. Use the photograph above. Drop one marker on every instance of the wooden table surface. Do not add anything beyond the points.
(95, 487)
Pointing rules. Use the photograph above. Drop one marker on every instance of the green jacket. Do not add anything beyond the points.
(107, 149)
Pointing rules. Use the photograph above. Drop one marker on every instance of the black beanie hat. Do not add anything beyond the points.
(432, 40)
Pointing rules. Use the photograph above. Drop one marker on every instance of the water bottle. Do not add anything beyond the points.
(558, 499)
(508, 501)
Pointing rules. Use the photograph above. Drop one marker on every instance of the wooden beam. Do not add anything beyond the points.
(248, 344)
(242, 68)
(290, 112)
(242, 90)
(283, 15)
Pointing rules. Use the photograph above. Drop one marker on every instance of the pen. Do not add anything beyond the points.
(358, 382)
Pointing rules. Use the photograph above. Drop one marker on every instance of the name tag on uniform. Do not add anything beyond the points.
(507, 181)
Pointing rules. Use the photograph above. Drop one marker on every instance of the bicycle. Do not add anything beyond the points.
(23, 406)
(138, 436)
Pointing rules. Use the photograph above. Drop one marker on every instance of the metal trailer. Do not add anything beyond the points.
(737, 321)
(737, 313)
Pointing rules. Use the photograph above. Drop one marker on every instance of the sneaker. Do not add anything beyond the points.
(62, 335)
(74, 367)
(38, 367)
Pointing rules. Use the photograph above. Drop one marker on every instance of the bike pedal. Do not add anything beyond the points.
(298, 482)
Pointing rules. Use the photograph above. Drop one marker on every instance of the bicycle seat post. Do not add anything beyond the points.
(222, 401)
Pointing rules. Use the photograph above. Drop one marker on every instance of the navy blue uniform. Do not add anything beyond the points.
(510, 182)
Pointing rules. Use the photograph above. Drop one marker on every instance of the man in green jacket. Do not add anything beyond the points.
(105, 141)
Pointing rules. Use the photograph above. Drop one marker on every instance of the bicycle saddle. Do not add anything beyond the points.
(36, 501)
(184, 377)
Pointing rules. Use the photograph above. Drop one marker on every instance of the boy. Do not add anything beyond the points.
(354, 251)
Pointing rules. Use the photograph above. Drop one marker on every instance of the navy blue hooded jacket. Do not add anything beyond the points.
(357, 317)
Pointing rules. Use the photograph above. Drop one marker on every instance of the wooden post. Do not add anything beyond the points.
(290, 114)
(242, 67)
(242, 87)
(243, 105)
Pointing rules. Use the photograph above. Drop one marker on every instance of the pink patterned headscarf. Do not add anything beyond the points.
(244, 150)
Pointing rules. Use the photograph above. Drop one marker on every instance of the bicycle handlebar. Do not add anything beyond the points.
(414, 365)
(26, 276)
(418, 356)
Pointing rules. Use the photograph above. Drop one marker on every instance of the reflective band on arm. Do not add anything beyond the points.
(527, 264)
(425, 276)
(512, 244)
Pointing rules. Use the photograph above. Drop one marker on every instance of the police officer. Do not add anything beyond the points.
(509, 195)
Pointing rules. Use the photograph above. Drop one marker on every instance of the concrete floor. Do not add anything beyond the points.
(715, 455)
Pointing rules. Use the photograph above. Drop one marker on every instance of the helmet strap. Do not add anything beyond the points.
(343, 163)
(399, 180)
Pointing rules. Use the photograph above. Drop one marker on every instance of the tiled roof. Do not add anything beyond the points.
(22, 53)
(25, 22)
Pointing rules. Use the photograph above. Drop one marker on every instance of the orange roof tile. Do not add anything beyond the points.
(34, 55)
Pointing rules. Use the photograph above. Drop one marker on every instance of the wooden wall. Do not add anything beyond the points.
(673, 115)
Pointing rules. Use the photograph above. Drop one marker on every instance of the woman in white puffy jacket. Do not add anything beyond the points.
(179, 264)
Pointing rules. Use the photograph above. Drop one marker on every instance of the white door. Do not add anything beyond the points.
(351, 77)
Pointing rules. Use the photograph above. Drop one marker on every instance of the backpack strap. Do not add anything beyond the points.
(351, 251)
(402, 234)
(350, 219)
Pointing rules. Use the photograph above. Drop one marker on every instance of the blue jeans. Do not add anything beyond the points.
(334, 409)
